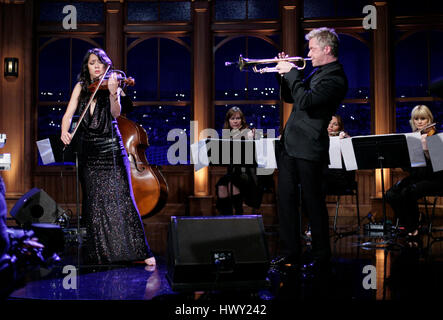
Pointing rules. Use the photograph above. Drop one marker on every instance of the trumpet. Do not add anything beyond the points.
(300, 63)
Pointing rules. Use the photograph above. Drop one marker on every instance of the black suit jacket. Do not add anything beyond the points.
(315, 101)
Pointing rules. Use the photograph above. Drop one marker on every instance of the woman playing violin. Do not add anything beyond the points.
(114, 228)
(403, 196)
(240, 184)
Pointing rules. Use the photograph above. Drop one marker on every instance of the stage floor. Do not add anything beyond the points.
(364, 268)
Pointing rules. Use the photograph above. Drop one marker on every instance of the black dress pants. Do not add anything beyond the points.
(404, 195)
(309, 175)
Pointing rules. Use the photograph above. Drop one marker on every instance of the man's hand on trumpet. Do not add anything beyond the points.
(284, 66)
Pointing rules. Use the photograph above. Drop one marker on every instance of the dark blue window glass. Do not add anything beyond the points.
(79, 49)
(142, 11)
(142, 65)
(411, 65)
(411, 7)
(437, 111)
(262, 86)
(230, 10)
(354, 55)
(129, 41)
(86, 11)
(318, 8)
(356, 118)
(175, 71)
(175, 11)
(49, 120)
(158, 121)
(262, 9)
(232, 84)
(163, 11)
(54, 67)
(436, 58)
(49, 126)
(262, 116)
(346, 8)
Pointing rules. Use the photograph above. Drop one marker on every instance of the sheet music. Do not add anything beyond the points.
(415, 149)
(335, 153)
(265, 153)
(5, 161)
(199, 153)
(435, 146)
(347, 150)
(45, 150)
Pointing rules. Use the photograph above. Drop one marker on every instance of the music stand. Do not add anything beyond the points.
(381, 151)
(228, 152)
(231, 152)
(68, 155)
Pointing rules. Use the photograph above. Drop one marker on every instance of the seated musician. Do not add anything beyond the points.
(403, 196)
(241, 180)
(337, 180)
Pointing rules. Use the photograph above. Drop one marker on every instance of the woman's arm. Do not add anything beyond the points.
(114, 95)
(67, 117)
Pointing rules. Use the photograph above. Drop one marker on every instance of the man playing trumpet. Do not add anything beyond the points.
(304, 146)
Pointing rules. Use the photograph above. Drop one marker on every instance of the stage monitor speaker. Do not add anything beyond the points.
(206, 253)
(36, 206)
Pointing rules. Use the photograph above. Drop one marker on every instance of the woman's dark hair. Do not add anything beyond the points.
(230, 113)
(84, 77)
(341, 126)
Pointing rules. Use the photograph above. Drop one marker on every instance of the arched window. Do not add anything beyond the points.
(354, 55)
(162, 92)
(59, 62)
(256, 94)
(417, 63)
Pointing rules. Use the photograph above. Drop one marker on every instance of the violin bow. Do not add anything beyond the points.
(88, 105)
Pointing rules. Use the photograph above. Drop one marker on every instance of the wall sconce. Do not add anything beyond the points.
(11, 67)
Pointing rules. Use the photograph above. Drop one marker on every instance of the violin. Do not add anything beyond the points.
(429, 129)
(121, 77)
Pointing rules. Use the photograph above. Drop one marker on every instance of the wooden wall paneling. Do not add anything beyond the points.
(200, 202)
(292, 43)
(114, 32)
(16, 96)
(384, 103)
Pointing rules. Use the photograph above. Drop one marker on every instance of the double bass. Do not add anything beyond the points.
(148, 183)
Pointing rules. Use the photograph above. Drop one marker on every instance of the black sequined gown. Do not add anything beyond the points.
(114, 228)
